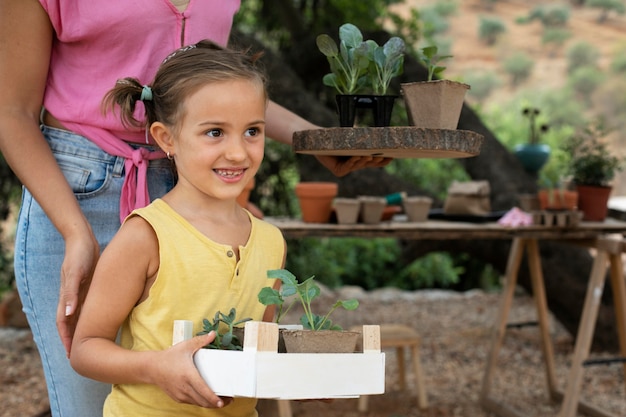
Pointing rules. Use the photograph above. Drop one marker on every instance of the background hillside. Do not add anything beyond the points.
(476, 62)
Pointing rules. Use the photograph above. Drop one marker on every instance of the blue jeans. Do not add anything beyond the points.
(96, 178)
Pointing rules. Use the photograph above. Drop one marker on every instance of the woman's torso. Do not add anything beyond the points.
(97, 43)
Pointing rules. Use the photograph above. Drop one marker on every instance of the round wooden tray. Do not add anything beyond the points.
(391, 142)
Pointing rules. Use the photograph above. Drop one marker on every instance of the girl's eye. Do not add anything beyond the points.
(214, 133)
(253, 131)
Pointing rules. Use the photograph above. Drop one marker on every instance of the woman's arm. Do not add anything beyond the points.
(25, 43)
(122, 279)
(282, 123)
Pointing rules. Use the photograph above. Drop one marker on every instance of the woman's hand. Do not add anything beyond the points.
(177, 375)
(81, 255)
(341, 166)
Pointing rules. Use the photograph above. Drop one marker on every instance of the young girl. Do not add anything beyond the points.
(189, 254)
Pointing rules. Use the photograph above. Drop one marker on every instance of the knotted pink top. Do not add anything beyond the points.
(99, 42)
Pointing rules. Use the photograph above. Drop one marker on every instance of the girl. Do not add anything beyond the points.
(189, 254)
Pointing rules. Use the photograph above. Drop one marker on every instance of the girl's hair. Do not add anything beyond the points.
(181, 74)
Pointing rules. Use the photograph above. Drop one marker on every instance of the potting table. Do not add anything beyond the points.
(599, 235)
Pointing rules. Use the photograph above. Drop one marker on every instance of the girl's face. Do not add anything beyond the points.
(221, 140)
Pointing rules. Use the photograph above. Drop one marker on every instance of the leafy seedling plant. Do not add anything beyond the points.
(292, 291)
(428, 55)
(386, 62)
(348, 62)
(225, 340)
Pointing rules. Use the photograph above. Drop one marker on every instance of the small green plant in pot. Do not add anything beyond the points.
(327, 334)
(434, 103)
(592, 167)
(357, 65)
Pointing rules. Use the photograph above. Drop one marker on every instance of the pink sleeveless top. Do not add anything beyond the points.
(98, 42)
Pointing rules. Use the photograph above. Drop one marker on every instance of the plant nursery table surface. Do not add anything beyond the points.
(606, 237)
(443, 230)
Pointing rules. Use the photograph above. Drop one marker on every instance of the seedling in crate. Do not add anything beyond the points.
(226, 340)
(306, 292)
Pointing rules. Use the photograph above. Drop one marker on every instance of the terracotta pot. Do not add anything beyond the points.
(316, 199)
(593, 202)
(347, 210)
(389, 212)
(557, 199)
(434, 104)
(244, 197)
(320, 341)
(417, 208)
(372, 208)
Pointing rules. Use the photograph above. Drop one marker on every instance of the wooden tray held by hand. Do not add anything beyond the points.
(391, 142)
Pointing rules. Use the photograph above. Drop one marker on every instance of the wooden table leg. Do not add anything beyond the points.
(539, 295)
(512, 268)
(585, 334)
(619, 301)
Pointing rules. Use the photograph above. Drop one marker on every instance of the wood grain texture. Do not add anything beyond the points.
(392, 142)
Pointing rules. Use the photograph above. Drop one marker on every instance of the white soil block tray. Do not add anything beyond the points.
(259, 371)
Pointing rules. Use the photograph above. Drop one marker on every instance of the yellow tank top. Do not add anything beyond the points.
(197, 277)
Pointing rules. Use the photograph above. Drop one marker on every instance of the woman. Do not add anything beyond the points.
(83, 171)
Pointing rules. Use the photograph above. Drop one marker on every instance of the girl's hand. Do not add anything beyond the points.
(177, 375)
(81, 255)
(341, 166)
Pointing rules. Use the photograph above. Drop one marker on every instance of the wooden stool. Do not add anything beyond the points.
(400, 337)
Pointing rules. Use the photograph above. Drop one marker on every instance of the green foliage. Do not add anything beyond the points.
(431, 59)
(591, 162)
(433, 23)
(223, 340)
(518, 66)
(606, 6)
(483, 84)
(582, 54)
(356, 64)
(348, 62)
(555, 36)
(431, 175)
(386, 62)
(305, 292)
(584, 81)
(551, 15)
(436, 269)
(618, 63)
(490, 28)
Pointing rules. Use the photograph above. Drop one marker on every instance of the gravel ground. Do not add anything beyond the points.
(456, 335)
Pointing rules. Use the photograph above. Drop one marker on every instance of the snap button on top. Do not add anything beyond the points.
(230, 253)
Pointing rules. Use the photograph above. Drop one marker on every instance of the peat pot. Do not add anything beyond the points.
(320, 341)
(417, 208)
(347, 210)
(434, 104)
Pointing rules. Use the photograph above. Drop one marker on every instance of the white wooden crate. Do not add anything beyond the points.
(260, 372)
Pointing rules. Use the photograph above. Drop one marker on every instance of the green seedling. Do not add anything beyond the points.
(291, 291)
(223, 340)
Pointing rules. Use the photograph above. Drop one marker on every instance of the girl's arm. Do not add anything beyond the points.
(25, 43)
(121, 280)
(282, 123)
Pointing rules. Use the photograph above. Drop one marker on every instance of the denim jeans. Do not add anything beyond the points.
(96, 178)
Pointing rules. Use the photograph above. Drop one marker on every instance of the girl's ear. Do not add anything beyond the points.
(163, 137)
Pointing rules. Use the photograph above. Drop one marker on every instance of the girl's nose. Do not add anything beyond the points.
(235, 150)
